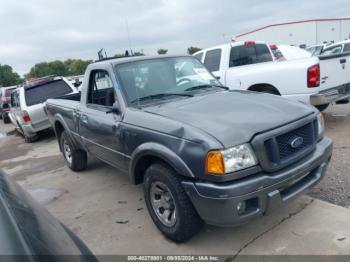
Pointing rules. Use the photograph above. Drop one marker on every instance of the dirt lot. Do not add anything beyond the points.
(335, 187)
(109, 213)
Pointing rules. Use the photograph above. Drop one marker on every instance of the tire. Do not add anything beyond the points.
(30, 139)
(27, 139)
(78, 158)
(1, 116)
(186, 222)
(6, 120)
(322, 107)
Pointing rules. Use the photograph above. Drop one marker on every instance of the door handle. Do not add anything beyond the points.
(342, 61)
(84, 118)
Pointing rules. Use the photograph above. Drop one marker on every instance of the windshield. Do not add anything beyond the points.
(174, 77)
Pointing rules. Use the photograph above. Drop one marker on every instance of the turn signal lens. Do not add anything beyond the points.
(215, 163)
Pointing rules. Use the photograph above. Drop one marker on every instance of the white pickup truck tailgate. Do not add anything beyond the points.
(335, 79)
(335, 71)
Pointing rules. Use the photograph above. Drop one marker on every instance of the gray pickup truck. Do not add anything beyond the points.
(202, 152)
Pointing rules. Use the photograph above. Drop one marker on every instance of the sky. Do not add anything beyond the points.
(45, 30)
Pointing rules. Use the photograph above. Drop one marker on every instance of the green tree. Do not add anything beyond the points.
(162, 51)
(138, 53)
(59, 68)
(8, 77)
(192, 49)
(76, 66)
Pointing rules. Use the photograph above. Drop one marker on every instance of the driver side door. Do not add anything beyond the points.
(99, 128)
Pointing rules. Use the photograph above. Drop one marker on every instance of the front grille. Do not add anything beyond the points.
(280, 148)
(284, 141)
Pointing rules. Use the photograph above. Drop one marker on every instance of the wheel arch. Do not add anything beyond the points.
(59, 125)
(261, 87)
(149, 153)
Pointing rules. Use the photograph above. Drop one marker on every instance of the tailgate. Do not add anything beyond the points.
(37, 115)
(335, 71)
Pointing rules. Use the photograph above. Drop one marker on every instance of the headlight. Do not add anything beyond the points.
(230, 160)
(320, 126)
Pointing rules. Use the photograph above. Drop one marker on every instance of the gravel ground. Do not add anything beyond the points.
(335, 187)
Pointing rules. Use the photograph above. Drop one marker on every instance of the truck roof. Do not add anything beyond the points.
(233, 43)
(116, 61)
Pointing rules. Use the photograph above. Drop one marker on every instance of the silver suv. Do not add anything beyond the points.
(28, 101)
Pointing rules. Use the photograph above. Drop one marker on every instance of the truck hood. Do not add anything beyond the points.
(233, 117)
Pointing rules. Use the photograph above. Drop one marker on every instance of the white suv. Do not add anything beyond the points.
(28, 101)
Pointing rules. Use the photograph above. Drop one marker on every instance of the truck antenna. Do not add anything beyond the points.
(128, 31)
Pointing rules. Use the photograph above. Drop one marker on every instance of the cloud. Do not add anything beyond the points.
(41, 30)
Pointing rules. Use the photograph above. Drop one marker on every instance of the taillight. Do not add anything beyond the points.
(313, 76)
(25, 117)
(249, 43)
(273, 46)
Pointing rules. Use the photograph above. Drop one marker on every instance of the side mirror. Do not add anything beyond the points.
(115, 109)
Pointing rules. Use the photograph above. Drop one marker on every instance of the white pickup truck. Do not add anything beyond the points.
(335, 74)
(251, 65)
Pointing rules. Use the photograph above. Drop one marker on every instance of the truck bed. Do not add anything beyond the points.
(74, 97)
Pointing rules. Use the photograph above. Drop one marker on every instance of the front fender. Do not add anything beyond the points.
(161, 152)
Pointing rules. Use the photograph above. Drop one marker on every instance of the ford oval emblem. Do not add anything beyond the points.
(297, 142)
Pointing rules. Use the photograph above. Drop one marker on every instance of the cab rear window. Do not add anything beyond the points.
(40, 93)
(249, 54)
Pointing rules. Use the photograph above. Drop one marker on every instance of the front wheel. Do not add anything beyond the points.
(168, 204)
(75, 159)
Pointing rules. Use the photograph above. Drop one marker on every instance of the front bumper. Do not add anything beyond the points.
(259, 194)
(331, 95)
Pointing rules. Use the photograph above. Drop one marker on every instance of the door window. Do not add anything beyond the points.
(212, 60)
(346, 48)
(101, 90)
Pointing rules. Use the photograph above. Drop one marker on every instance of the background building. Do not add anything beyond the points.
(306, 32)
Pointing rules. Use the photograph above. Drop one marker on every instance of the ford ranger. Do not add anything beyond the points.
(204, 153)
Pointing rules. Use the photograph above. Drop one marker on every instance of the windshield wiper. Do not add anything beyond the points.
(159, 96)
(205, 87)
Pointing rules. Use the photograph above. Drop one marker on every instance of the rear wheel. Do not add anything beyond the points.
(75, 159)
(168, 204)
(31, 139)
(27, 139)
(6, 119)
(322, 107)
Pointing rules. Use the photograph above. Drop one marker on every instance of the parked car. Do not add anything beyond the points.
(202, 152)
(337, 48)
(315, 50)
(28, 232)
(76, 81)
(251, 66)
(335, 75)
(4, 103)
(27, 104)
